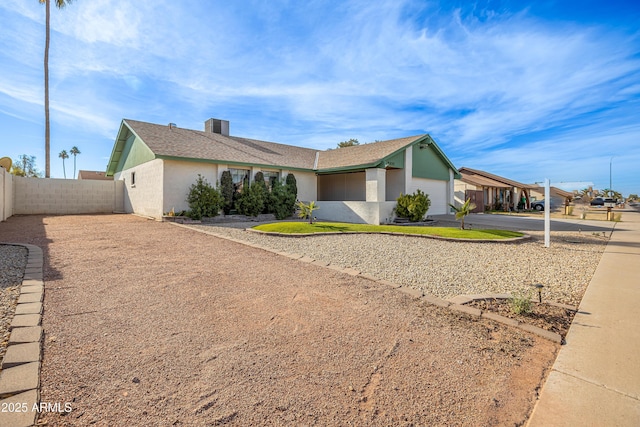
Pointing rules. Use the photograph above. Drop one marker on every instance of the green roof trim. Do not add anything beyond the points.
(226, 162)
(128, 151)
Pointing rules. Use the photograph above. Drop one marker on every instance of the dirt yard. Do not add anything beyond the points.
(150, 324)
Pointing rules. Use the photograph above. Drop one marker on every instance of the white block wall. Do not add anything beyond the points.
(356, 212)
(145, 197)
(64, 196)
(6, 194)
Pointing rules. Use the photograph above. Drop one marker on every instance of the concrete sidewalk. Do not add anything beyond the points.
(595, 380)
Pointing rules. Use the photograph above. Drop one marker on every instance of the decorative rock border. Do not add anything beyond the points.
(391, 233)
(20, 375)
(455, 304)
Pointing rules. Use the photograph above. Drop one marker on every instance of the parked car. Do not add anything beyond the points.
(538, 205)
(600, 201)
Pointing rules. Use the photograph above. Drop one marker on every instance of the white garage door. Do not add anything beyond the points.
(437, 191)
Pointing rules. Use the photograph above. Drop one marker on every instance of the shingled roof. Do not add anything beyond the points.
(471, 175)
(171, 141)
(363, 155)
(174, 142)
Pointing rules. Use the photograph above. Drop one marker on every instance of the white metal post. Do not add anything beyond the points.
(547, 213)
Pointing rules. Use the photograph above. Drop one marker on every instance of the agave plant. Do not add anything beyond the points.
(462, 211)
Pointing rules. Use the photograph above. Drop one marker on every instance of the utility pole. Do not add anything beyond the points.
(610, 181)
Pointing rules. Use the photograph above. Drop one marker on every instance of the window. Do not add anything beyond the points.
(238, 176)
(133, 179)
(270, 177)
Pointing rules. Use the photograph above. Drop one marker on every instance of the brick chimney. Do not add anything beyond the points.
(217, 126)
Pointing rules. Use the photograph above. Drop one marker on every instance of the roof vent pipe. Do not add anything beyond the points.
(172, 125)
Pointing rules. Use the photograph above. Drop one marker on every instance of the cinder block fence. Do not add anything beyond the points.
(28, 196)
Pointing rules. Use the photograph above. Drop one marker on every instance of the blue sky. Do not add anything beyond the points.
(546, 89)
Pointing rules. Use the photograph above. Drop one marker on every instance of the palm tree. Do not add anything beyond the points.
(63, 155)
(463, 211)
(47, 131)
(74, 150)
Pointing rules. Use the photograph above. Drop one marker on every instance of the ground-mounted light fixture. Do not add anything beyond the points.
(539, 287)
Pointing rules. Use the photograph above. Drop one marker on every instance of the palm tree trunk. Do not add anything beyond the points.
(74, 166)
(47, 132)
(63, 169)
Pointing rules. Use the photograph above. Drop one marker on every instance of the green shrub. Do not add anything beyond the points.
(227, 189)
(251, 200)
(259, 179)
(203, 199)
(281, 201)
(413, 206)
(292, 184)
(520, 303)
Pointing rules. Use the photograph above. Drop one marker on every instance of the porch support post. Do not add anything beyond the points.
(376, 185)
(408, 169)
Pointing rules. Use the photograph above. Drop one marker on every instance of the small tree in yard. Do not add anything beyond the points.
(292, 184)
(227, 189)
(412, 206)
(463, 211)
(306, 211)
(251, 200)
(203, 199)
(259, 179)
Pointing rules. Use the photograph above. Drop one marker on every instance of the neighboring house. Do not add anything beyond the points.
(356, 184)
(490, 192)
(95, 175)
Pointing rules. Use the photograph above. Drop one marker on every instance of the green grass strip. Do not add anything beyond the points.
(339, 227)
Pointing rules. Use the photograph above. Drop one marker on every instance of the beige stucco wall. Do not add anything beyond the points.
(179, 176)
(64, 196)
(460, 189)
(6, 194)
(307, 183)
(146, 196)
(356, 212)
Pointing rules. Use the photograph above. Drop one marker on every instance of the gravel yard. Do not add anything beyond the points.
(13, 260)
(446, 269)
(147, 323)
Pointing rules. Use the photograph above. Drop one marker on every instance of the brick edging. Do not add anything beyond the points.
(20, 375)
(413, 292)
(390, 233)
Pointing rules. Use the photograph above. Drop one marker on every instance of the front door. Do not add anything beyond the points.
(477, 198)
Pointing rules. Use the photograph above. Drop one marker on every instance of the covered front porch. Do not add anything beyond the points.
(363, 196)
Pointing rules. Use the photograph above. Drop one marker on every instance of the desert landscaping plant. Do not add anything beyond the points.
(462, 211)
(306, 211)
(292, 184)
(251, 201)
(520, 303)
(281, 201)
(203, 199)
(412, 206)
(227, 190)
